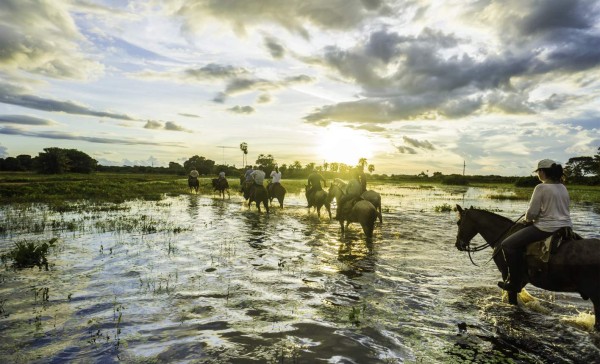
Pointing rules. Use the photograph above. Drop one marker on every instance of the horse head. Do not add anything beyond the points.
(466, 229)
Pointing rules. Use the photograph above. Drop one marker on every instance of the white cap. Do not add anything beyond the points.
(545, 163)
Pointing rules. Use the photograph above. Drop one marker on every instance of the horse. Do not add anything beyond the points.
(276, 190)
(364, 213)
(222, 186)
(245, 187)
(336, 191)
(258, 194)
(193, 184)
(318, 199)
(573, 267)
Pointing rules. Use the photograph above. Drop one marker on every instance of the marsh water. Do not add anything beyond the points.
(198, 279)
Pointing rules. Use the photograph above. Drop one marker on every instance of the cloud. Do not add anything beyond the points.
(263, 99)
(71, 136)
(276, 50)
(168, 125)
(292, 15)
(25, 120)
(42, 38)
(189, 115)
(152, 124)
(3, 151)
(406, 150)
(242, 109)
(418, 144)
(9, 96)
(438, 75)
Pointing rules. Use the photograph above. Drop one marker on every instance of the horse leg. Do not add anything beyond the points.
(596, 301)
(380, 215)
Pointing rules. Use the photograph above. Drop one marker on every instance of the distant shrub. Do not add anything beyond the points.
(527, 181)
(443, 208)
(455, 180)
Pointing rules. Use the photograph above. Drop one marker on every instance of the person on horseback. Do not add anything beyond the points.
(362, 178)
(314, 185)
(354, 189)
(275, 178)
(258, 177)
(548, 212)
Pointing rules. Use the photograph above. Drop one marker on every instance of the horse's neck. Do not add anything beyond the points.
(492, 227)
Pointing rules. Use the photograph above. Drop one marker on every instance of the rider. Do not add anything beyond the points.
(362, 178)
(353, 191)
(275, 178)
(548, 212)
(258, 176)
(314, 185)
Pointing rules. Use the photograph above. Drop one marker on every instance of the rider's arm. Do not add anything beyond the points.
(535, 204)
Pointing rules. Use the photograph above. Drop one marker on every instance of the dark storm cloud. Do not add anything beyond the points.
(428, 75)
(242, 109)
(25, 120)
(71, 136)
(8, 96)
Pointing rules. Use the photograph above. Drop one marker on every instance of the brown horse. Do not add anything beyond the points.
(221, 185)
(258, 194)
(573, 267)
(362, 212)
(276, 190)
(193, 184)
(318, 199)
(336, 191)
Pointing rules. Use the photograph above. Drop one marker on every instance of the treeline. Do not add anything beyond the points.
(579, 170)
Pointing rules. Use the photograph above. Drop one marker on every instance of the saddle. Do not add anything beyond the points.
(539, 253)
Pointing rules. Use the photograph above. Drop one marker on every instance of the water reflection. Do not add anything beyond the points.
(210, 280)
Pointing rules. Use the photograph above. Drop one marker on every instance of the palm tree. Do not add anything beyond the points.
(362, 162)
(244, 149)
(371, 168)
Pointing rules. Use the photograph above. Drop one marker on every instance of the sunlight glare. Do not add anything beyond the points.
(344, 145)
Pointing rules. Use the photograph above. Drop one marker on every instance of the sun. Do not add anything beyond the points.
(344, 145)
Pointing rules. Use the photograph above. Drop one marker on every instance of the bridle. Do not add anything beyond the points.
(467, 246)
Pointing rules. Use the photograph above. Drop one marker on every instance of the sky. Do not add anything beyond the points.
(412, 86)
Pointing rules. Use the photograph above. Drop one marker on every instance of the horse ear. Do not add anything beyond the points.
(458, 208)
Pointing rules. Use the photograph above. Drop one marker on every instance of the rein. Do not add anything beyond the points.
(481, 247)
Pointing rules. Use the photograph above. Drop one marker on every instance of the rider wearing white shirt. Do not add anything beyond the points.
(548, 212)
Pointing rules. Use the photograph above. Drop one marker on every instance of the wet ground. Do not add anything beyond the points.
(197, 279)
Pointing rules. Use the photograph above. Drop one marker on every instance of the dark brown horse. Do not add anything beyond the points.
(336, 191)
(573, 267)
(318, 199)
(258, 194)
(364, 213)
(221, 185)
(193, 184)
(276, 190)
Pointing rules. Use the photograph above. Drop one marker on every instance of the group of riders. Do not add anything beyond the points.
(547, 213)
(254, 178)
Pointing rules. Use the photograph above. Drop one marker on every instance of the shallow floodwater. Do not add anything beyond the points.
(197, 279)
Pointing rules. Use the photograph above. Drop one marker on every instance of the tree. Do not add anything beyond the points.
(244, 149)
(25, 162)
(580, 166)
(371, 168)
(334, 166)
(201, 164)
(362, 162)
(80, 162)
(176, 168)
(53, 161)
(267, 162)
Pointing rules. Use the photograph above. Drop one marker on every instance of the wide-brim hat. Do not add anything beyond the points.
(545, 163)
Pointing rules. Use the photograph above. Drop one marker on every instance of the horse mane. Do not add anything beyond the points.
(493, 214)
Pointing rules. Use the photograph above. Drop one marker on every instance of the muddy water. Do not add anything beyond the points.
(196, 279)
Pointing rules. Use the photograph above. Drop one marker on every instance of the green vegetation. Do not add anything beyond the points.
(29, 254)
(63, 189)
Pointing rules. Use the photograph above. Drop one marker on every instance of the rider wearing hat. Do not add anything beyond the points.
(548, 212)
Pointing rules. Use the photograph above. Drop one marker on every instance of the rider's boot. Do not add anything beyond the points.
(515, 276)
